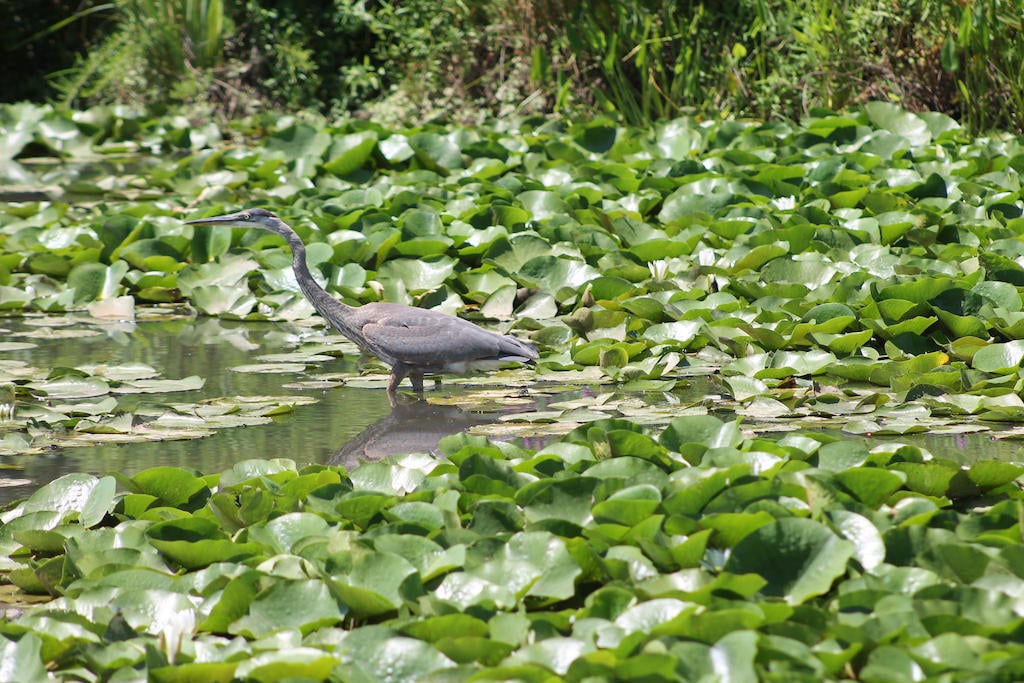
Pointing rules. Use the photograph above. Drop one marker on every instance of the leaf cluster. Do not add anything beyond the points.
(614, 551)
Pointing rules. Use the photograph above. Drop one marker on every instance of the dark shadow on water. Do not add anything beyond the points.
(415, 427)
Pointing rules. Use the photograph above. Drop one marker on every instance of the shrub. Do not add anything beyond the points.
(412, 61)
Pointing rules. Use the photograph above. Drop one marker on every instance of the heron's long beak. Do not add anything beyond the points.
(239, 220)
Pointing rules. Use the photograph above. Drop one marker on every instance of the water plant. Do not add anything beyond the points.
(616, 551)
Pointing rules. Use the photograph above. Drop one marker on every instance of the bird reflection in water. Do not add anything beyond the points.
(414, 427)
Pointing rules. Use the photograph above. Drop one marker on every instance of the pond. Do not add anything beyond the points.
(345, 424)
(341, 418)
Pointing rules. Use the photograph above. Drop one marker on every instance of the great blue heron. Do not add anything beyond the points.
(413, 341)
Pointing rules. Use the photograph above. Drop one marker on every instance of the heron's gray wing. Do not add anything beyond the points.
(431, 342)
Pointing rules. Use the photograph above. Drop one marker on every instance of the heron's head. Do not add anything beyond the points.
(249, 218)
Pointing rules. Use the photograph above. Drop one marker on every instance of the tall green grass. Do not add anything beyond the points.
(157, 49)
(769, 58)
(765, 58)
(649, 59)
(985, 54)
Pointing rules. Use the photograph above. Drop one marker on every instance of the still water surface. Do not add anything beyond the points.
(346, 425)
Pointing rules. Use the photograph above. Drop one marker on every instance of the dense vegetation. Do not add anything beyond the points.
(860, 271)
(412, 61)
(615, 553)
(879, 249)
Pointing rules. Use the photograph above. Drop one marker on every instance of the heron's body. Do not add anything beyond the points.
(413, 341)
(421, 341)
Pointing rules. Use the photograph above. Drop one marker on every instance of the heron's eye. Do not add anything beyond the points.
(246, 217)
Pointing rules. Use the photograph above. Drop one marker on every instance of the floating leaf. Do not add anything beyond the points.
(349, 153)
(799, 558)
(436, 152)
(531, 564)
(303, 604)
(1000, 358)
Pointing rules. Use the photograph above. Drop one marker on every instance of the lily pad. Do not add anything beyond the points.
(799, 558)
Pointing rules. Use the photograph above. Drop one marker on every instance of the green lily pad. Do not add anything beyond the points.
(799, 558)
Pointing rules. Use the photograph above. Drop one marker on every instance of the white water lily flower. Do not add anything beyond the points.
(658, 268)
(784, 203)
(172, 625)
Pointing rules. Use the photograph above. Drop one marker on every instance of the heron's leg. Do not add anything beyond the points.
(397, 375)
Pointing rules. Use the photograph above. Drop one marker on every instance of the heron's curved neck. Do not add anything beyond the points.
(330, 309)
